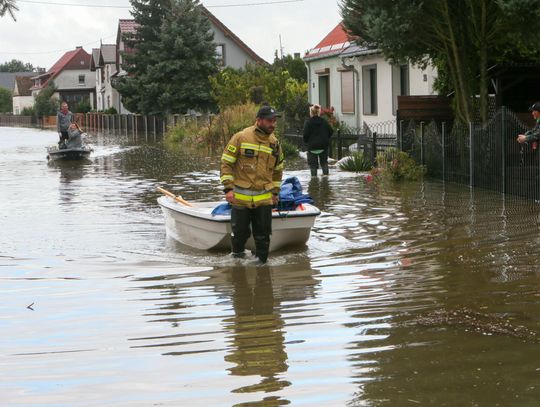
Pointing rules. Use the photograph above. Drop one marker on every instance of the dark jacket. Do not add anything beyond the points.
(317, 133)
(534, 133)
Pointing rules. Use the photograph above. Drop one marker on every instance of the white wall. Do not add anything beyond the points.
(420, 83)
(20, 102)
(235, 57)
(69, 79)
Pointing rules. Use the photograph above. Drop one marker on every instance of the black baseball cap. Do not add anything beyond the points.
(267, 112)
(535, 106)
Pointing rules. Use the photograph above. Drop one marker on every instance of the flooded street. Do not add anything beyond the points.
(417, 294)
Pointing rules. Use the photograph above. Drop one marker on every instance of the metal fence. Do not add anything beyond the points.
(486, 156)
(370, 139)
(18, 121)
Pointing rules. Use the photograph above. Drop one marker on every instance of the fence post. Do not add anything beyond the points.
(374, 147)
(339, 145)
(443, 143)
(421, 143)
(503, 149)
(401, 135)
(471, 155)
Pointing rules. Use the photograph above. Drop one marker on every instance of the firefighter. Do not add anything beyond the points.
(533, 134)
(251, 171)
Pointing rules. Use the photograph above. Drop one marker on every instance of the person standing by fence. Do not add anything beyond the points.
(533, 134)
(64, 118)
(317, 133)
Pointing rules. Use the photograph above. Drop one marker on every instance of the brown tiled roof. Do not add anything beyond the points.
(24, 83)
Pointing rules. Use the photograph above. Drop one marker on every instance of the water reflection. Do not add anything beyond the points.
(321, 192)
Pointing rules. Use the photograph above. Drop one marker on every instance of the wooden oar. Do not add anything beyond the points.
(176, 198)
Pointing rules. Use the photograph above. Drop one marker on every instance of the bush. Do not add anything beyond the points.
(289, 149)
(110, 110)
(28, 111)
(355, 162)
(46, 104)
(83, 107)
(230, 121)
(185, 130)
(397, 165)
(6, 100)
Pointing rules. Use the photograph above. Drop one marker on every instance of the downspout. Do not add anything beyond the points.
(357, 88)
(308, 80)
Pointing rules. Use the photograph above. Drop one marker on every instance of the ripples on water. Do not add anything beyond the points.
(100, 308)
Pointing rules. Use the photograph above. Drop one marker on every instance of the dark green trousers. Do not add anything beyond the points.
(243, 220)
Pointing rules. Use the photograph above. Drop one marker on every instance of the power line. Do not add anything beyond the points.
(262, 3)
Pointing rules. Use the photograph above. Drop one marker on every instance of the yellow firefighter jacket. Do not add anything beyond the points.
(252, 165)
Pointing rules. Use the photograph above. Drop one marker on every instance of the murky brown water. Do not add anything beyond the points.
(381, 308)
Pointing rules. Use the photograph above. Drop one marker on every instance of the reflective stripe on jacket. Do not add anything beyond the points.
(252, 160)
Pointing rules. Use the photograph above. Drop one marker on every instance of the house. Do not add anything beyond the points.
(103, 63)
(72, 78)
(231, 51)
(358, 82)
(7, 79)
(22, 95)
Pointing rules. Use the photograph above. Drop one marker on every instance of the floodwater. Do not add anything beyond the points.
(419, 294)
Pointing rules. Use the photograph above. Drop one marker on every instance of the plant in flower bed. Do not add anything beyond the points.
(397, 165)
(356, 162)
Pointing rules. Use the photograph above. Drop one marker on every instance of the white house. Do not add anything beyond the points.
(358, 82)
(231, 51)
(104, 64)
(72, 78)
(22, 95)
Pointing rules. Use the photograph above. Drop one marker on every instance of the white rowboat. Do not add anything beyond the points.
(195, 225)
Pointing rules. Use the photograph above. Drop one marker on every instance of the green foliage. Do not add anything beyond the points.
(28, 111)
(110, 110)
(356, 162)
(289, 149)
(6, 101)
(295, 66)
(184, 131)
(83, 107)
(397, 165)
(8, 7)
(175, 55)
(46, 104)
(257, 83)
(16, 66)
(462, 37)
(228, 122)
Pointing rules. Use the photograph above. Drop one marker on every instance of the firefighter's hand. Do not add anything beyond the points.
(229, 196)
(521, 138)
(275, 199)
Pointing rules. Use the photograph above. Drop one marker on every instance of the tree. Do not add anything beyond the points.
(175, 55)
(6, 100)
(463, 37)
(8, 7)
(16, 65)
(46, 104)
(294, 65)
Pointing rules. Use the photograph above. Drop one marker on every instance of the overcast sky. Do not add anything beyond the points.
(45, 29)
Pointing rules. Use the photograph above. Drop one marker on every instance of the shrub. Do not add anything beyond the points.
(110, 110)
(28, 111)
(184, 130)
(356, 162)
(230, 121)
(289, 149)
(397, 165)
(83, 107)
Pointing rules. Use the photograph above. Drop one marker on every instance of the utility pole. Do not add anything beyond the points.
(280, 47)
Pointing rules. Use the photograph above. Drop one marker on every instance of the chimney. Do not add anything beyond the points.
(78, 47)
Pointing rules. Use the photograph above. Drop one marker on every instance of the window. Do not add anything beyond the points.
(324, 91)
(400, 84)
(220, 54)
(81, 80)
(347, 92)
(369, 89)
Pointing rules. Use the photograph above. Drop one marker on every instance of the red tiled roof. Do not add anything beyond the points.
(335, 41)
(127, 25)
(76, 59)
(336, 36)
